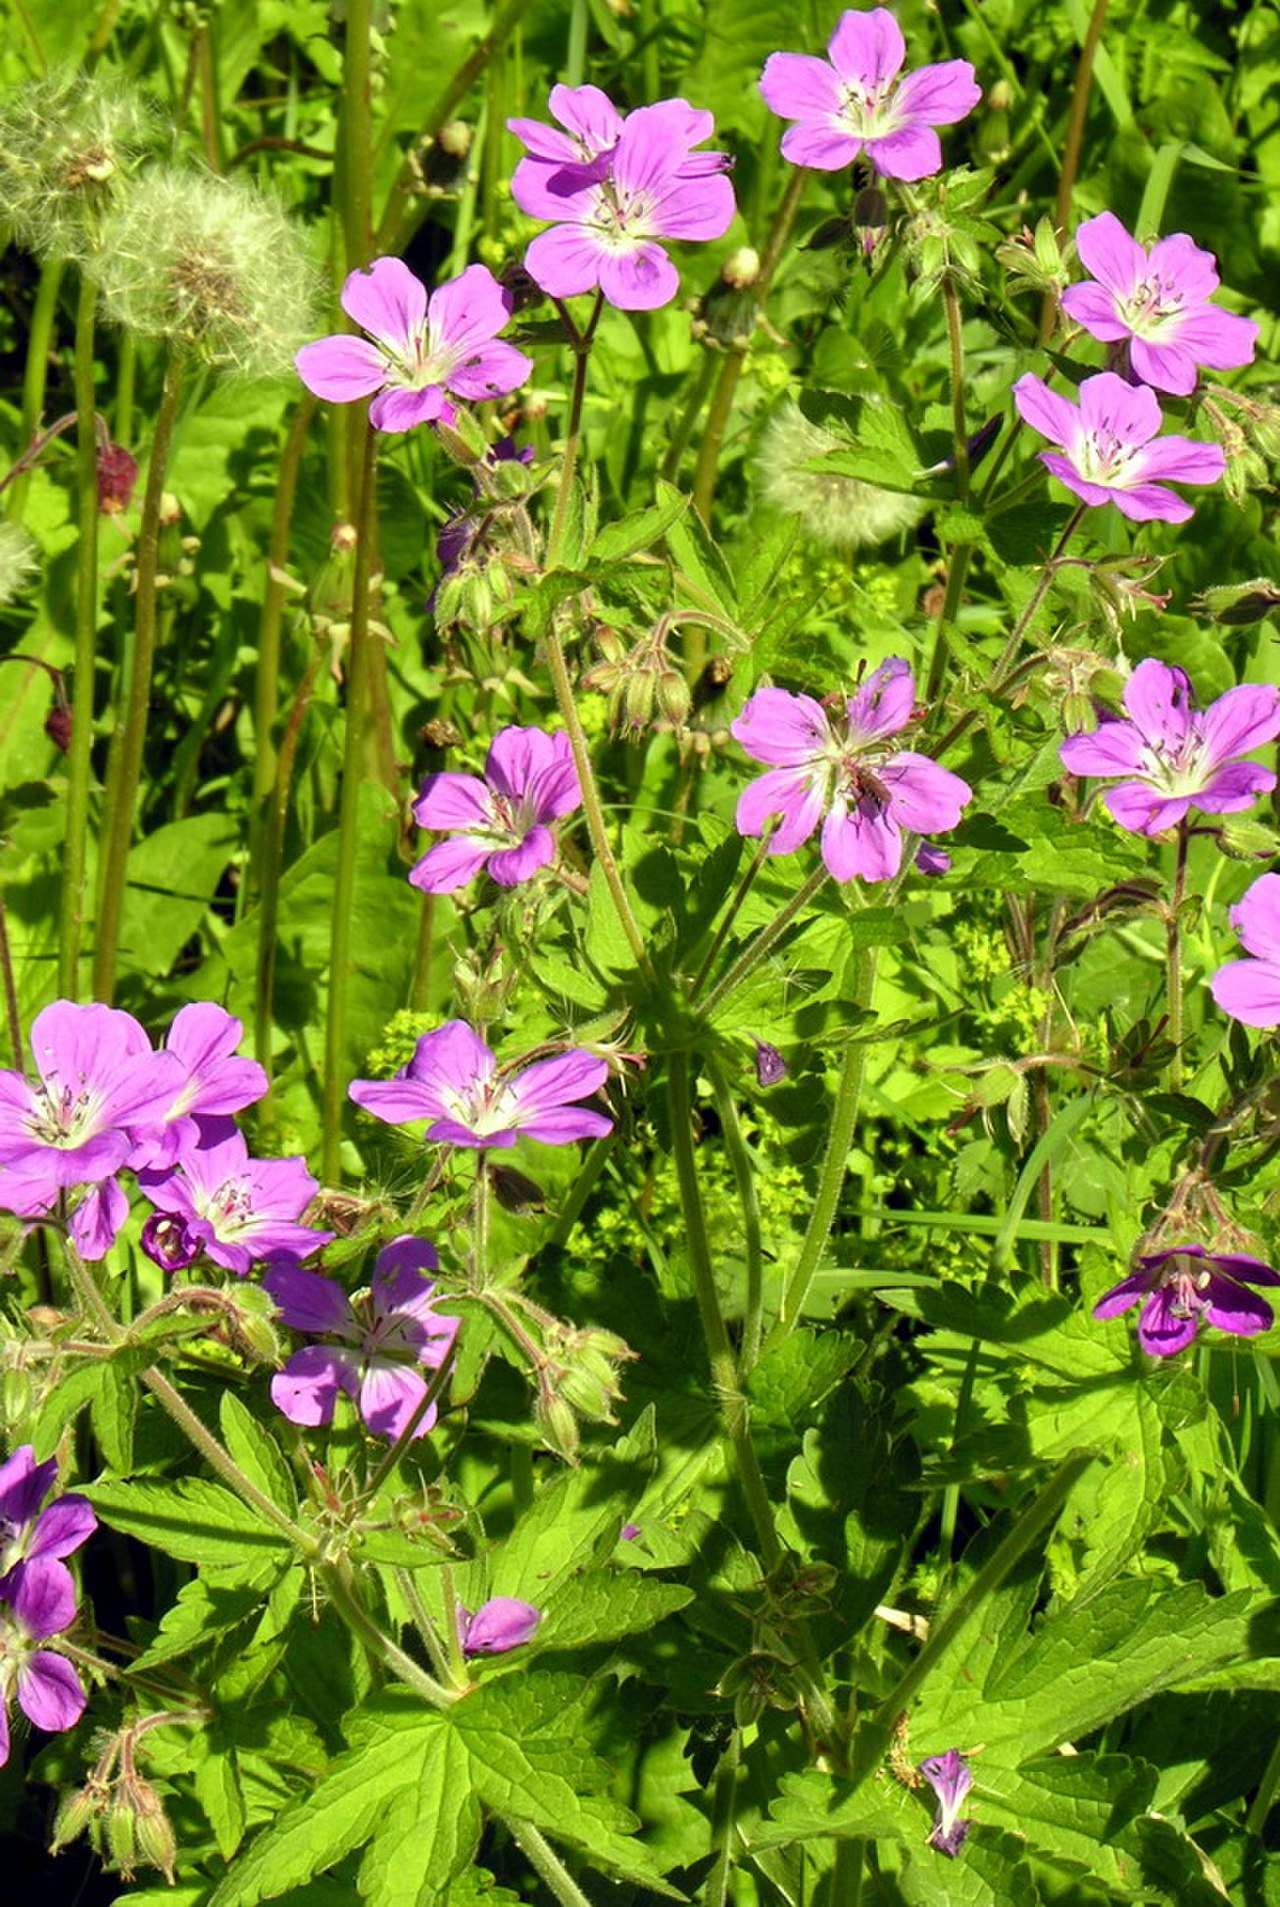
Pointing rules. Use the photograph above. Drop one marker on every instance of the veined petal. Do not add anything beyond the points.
(49, 1692)
(925, 797)
(694, 208)
(1157, 699)
(938, 95)
(823, 147)
(1094, 307)
(1065, 471)
(1113, 748)
(510, 866)
(453, 801)
(1167, 366)
(797, 86)
(44, 1597)
(1222, 340)
(515, 758)
(1053, 416)
(555, 1082)
(1232, 1307)
(306, 1390)
(783, 730)
(868, 48)
(341, 369)
(1161, 1332)
(1124, 1295)
(451, 1060)
(562, 1126)
(389, 1394)
(1256, 918)
(1151, 503)
(641, 279)
(308, 1302)
(1236, 785)
(861, 841)
(1109, 254)
(467, 311)
(1180, 460)
(883, 704)
(794, 794)
(388, 302)
(913, 152)
(1110, 407)
(589, 115)
(399, 409)
(1142, 809)
(564, 261)
(450, 864)
(492, 371)
(1249, 990)
(1242, 719)
(1179, 259)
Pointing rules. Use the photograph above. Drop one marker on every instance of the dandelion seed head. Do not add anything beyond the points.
(18, 560)
(68, 145)
(841, 512)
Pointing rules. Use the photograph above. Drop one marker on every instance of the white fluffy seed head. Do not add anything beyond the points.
(18, 559)
(68, 145)
(213, 267)
(841, 512)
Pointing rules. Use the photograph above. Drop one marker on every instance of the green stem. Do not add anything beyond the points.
(1040, 1514)
(959, 425)
(707, 471)
(133, 727)
(698, 393)
(1074, 143)
(12, 1012)
(80, 753)
(846, 1880)
(35, 375)
(357, 216)
(731, 912)
(439, 1378)
(1173, 948)
(547, 1863)
(337, 1578)
(353, 760)
(723, 1805)
(582, 342)
(763, 944)
(480, 1225)
(725, 1380)
(272, 873)
(449, 1675)
(266, 688)
(744, 1176)
(835, 1162)
(1260, 1807)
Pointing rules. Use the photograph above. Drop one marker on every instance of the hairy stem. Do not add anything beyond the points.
(547, 1863)
(744, 1177)
(80, 753)
(353, 761)
(1173, 949)
(764, 943)
(35, 374)
(133, 726)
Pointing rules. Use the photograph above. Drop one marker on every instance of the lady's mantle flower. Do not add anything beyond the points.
(950, 1778)
(453, 1081)
(383, 1341)
(611, 206)
(853, 101)
(1109, 452)
(1176, 757)
(421, 348)
(1249, 990)
(30, 1534)
(500, 822)
(502, 1623)
(42, 1605)
(1180, 1284)
(1159, 301)
(236, 1209)
(839, 763)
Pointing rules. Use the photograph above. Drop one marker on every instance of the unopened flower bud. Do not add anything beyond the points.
(502, 1623)
(168, 1243)
(57, 726)
(462, 439)
(76, 1814)
(671, 695)
(637, 702)
(588, 1377)
(557, 1426)
(117, 475)
(1243, 837)
(1238, 604)
(742, 268)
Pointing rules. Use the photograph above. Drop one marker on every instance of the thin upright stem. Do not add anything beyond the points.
(582, 342)
(835, 1161)
(706, 474)
(731, 912)
(35, 374)
(744, 1177)
(1173, 949)
(133, 725)
(546, 1862)
(8, 979)
(959, 425)
(353, 761)
(80, 753)
(765, 941)
(1074, 142)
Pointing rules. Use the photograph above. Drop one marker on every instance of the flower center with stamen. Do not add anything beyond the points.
(1185, 770)
(61, 1116)
(1150, 306)
(621, 218)
(1103, 457)
(868, 111)
(1189, 1280)
(487, 1106)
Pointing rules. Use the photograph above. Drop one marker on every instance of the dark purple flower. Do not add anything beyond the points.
(612, 188)
(1249, 990)
(1184, 1283)
(1111, 449)
(950, 1778)
(421, 348)
(48, 1689)
(1159, 302)
(384, 1341)
(98, 1078)
(502, 1623)
(841, 765)
(453, 1081)
(500, 823)
(237, 1209)
(28, 1533)
(770, 1065)
(854, 102)
(1174, 756)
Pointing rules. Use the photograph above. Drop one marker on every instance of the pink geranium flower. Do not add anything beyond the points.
(235, 1209)
(383, 1342)
(1175, 757)
(837, 765)
(610, 203)
(501, 822)
(854, 102)
(1187, 1283)
(1249, 990)
(1159, 302)
(419, 351)
(1108, 453)
(453, 1081)
(41, 1606)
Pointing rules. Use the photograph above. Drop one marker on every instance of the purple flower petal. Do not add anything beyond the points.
(44, 1598)
(913, 153)
(564, 261)
(502, 1623)
(867, 48)
(443, 869)
(388, 1396)
(1094, 307)
(341, 369)
(453, 801)
(510, 866)
(1053, 416)
(794, 794)
(401, 410)
(1110, 255)
(49, 1692)
(388, 302)
(940, 95)
(860, 842)
(797, 86)
(883, 704)
(1162, 1331)
(641, 279)
(1256, 918)
(926, 798)
(308, 1302)
(1124, 1296)
(1249, 990)
(306, 1390)
(784, 730)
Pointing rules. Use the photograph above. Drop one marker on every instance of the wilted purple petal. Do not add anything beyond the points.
(502, 1623)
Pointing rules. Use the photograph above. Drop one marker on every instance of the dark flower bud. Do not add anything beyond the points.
(57, 726)
(168, 1243)
(117, 475)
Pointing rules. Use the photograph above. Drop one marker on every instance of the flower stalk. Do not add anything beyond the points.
(80, 754)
